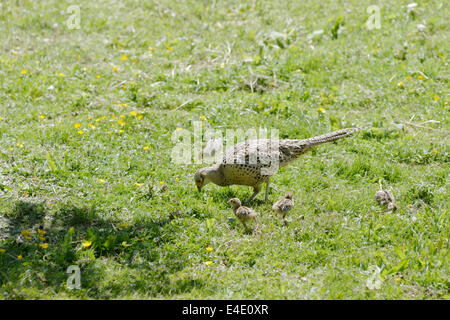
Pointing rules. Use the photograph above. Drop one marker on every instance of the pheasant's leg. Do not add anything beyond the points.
(267, 190)
(256, 228)
(256, 190)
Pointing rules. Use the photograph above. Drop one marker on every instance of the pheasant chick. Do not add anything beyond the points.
(385, 197)
(244, 214)
(284, 205)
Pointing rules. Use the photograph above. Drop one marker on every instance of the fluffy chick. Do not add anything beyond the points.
(284, 205)
(244, 214)
(385, 197)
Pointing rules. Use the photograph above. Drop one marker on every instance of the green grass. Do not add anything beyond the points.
(238, 65)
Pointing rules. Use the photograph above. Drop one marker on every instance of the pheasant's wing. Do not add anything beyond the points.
(260, 152)
(389, 196)
(285, 205)
(265, 153)
(380, 196)
(276, 205)
(244, 212)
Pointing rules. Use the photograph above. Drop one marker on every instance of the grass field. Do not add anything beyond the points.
(87, 116)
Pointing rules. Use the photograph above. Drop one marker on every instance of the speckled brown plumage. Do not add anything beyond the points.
(244, 214)
(386, 198)
(251, 162)
(283, 206)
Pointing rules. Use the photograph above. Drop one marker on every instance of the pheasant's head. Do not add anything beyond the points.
(289, 195)
(206, 175)
(200, 179)
(235, 202)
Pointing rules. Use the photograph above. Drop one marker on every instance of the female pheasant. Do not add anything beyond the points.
(253, 162)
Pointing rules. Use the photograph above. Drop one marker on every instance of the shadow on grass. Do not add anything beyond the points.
(115, 259)
(243, 194)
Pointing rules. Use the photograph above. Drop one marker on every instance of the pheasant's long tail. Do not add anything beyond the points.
(329, 137)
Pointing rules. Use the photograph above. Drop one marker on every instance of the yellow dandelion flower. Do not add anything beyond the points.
(44, 245)
(121, 131)
(209, 249)
(89, 117)
(98, 76)
(133, 113)
(19, 257)
(104, 118)
(169, 48)
(59, 122)
(42, 238)
(121, 122)
(19, 144)
(115, 69)
(86, 244)
(80, 132)
(161, 182)
(26, 232)
(207, 263)
(436, 98)
(321, 109)
(79, 57)
(397, 280)
(62, 75)
(178, 129)
(139, 184)
(84, 69)
(77, 125)
(1, 118)
(124, 224)
(420, 77)
(408, 78)
(435, 151)
(42, 116)
(124, 87)
(125, 244)
(400, 84)
(122, 116)
(146, 147)
(41, 231)
(2, 250)
(24, 71)
(97, 120)
(202, 117)
(101, 180)
(123, 58)
(91, 126)
(176, 179)
(140, 117)
(113, 117)
(151, 49)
